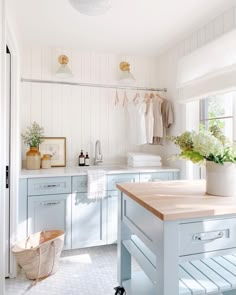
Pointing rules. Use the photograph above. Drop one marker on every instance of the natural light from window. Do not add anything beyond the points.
(219, 110)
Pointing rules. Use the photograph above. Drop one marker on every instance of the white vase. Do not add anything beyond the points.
(221, 179)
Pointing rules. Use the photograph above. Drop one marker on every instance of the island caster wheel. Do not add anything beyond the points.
(119, 291)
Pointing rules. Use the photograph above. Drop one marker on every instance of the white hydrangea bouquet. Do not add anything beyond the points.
(205, 145)
(212, 148)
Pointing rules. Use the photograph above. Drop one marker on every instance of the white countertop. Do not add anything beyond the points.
(76, 170)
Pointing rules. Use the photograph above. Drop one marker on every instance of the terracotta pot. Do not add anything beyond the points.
(220, 179)
(33, 159)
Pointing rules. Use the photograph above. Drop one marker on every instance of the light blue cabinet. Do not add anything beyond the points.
(112, 208)
(112, 180)
(88, 221)
(158, 176)
(80, 184)
(63, 203)
(50, 212)
(49, 185)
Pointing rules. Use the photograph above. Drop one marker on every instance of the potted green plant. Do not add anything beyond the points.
(212, 148)
(33, 136)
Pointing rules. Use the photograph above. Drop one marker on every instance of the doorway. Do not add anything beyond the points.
(8, 152)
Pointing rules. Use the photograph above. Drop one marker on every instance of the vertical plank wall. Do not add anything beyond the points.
(81, 114)
(168, 69)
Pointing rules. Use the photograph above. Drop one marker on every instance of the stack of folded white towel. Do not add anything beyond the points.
(143, 160)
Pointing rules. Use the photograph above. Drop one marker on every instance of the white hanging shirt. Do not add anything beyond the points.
(158, 122)
(136, 122)
(149, 122)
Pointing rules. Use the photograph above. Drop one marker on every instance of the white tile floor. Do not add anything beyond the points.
(88, 271)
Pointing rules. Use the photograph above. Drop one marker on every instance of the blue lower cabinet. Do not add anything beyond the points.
(50, 212)
(63, 203)
(88, 221)
(112, 216)
(112, 180)
(158, 176)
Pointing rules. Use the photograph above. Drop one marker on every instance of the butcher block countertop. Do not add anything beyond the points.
(174, 200)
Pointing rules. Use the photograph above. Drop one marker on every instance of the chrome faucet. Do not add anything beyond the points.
(98, 153)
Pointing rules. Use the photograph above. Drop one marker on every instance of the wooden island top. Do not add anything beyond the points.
(181, 199)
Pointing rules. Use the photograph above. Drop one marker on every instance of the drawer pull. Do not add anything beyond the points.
(122, 180)
(205, 237)
(49, 203)
(50, 185)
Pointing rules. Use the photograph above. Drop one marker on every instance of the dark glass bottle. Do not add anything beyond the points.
(87, 160)
(81, 159)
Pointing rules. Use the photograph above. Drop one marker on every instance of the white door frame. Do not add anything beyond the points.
(14, 141)
(2, 146)
(7, 37)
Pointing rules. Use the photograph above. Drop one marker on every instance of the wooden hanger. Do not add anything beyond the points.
(136, 98)
(116, 98)
(158, 95)
(146, 97)
(125, 100)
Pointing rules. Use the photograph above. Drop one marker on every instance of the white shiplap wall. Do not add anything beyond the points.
(81, 114)
(168, 63)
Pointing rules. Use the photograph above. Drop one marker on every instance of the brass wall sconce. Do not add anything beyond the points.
(126, 77)
(63, 71)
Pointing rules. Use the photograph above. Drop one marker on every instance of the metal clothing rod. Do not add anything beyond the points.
(93, 85)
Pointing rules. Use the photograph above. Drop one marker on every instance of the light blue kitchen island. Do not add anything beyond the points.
(183, 239)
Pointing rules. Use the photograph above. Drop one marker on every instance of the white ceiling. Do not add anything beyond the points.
(144, 27)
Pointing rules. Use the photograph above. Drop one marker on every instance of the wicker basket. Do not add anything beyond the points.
(38, 254)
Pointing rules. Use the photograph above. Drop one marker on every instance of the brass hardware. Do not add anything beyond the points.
(63, 59)
(125, 66)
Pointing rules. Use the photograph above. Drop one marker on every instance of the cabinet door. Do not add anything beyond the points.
(157, 176)
(112, 180)
(50, 212)
(88, 221)
(112, 216)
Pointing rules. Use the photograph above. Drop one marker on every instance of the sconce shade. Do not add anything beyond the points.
(126, 77)
(63, 71)
(91, 7)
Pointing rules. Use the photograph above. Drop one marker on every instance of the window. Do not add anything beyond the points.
(219, 110)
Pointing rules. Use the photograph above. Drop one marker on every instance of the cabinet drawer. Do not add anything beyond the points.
(112, 180)
(79, 184)
(205, 236)
(157, 176)
(49, 186)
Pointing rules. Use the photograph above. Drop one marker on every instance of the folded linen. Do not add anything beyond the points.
(96, 184)
(144, 163)
(142, 156)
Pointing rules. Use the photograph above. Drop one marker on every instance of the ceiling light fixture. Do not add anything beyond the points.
(126, 77)
(91, 7)
(63, 71)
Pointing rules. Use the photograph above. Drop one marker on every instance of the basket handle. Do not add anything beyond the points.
(39, 251)
(54, 250)
(37, 278)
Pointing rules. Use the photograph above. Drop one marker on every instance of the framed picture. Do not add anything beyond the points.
(56, 147)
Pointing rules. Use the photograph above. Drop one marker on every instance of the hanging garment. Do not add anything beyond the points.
(149, 122)
(136, 122)
(157, 115)
(168, 120)
(167, 114)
